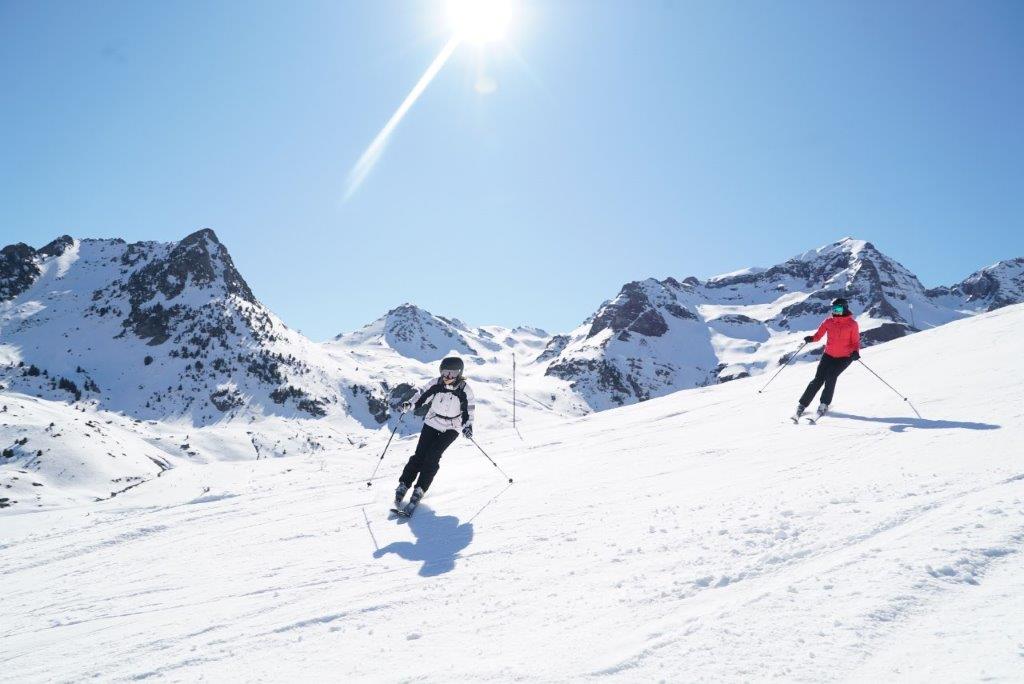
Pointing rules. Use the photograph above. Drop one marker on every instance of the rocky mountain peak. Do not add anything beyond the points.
(641, 308)
(199, 261)
(56, 247)
(20, 264)
(990, 288)
(18, 270)
(412, 332)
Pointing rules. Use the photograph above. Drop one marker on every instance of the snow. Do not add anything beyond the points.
(752, 270)
(697, 536)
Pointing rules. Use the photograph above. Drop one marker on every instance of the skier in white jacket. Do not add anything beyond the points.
(450, 412)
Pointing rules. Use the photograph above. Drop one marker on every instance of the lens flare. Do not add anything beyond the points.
(369, 158)
(472, 21)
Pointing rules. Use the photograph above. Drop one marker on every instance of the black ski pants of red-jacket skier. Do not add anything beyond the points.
(427, 459)
(829, 370)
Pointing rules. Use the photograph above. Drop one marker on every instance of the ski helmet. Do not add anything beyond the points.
(452, 364)
(840, 307)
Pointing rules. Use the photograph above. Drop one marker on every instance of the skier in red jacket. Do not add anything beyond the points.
(841, 349)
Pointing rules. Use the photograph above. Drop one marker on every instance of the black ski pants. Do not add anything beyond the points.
(829, 370)
(427, 459)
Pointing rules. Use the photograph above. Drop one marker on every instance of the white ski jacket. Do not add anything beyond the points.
(451, 406)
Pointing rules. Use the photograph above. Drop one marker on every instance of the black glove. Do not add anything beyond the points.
(406, 406)
(467, 432)
(855, 355)
(809, 339)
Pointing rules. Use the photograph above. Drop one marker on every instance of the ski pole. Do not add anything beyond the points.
(490, 459)
(788, 361)
(892, 388)
(369, 483)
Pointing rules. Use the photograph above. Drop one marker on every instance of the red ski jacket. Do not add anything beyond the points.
(843, 336)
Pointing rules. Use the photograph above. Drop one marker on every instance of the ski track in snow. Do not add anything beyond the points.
(696, 537)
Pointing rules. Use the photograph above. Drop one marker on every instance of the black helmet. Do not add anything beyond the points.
(452, 363)
(840, 302)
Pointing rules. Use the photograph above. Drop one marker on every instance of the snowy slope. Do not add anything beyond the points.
(55, 455)
(698, 536)
(171, 332)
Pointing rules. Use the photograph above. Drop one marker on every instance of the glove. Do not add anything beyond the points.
(809, 339)
(467, 432)
(855, 355)
(406, 406)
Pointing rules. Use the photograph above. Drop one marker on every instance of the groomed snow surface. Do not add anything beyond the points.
(700, 536)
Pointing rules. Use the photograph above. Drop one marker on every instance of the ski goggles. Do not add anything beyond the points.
(449, 374)
(839, 309)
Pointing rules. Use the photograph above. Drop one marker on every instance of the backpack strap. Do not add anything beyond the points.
(463, 402)
(434, 389)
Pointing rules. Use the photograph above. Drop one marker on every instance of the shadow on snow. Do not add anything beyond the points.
(901, 424)
(439, 539)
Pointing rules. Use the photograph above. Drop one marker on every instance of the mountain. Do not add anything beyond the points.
(400, 351)
(693, 537)
(161, 330)
(414, 333)
(172, 331)
(658, 337)
(646, 342)
(991, 288)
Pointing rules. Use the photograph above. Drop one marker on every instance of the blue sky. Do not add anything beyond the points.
(623, 140)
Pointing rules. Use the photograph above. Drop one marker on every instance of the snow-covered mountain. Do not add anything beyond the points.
(646, 342)
(991, 288)
(400, 351)
(414, 333)
(161, 331)
(658, 337)
(172, 331)
(694, 537)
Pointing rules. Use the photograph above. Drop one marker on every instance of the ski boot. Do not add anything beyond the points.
(800, 408)
(400, 494)
(414, 501)
(819, 414)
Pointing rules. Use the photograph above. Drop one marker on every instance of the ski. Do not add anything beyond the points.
(813, 418)
(403, 512)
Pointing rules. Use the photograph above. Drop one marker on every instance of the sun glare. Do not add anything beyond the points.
(480, 21)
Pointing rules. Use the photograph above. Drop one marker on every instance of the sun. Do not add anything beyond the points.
(480, 21)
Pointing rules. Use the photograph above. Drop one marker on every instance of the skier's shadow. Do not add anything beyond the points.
(439, 539)
(901, 424)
